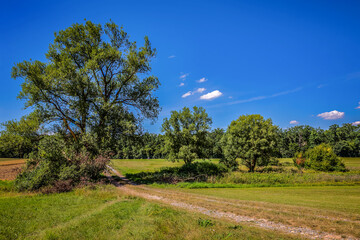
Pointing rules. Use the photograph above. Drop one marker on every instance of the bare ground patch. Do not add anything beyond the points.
(10, 168)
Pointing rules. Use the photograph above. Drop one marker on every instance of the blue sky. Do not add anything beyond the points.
(286, 60)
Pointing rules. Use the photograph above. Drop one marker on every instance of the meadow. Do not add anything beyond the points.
(273, 176)
(104, 212)
(140, 165)
(322, 201)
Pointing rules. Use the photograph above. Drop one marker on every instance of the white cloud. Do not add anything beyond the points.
(201, 80)
(199, 90)
(294, 122)
(183, 76)
(181, 84)
(211, 95)
(172, 56)
(186, 94)
(356, 123)
(358, 107)
(331, 115)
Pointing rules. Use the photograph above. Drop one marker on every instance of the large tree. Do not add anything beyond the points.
(185, 134)
(94, 80)
(250, 138)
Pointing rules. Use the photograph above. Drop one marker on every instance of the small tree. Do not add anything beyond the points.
(323, 158)
(251, 138)
(21, 137)
(186, 134)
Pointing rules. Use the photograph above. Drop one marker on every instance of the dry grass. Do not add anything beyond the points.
(325, 220)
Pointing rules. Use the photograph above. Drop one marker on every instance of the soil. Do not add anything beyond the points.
(9, 169)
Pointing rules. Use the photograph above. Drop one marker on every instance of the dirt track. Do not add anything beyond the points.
(288, 219)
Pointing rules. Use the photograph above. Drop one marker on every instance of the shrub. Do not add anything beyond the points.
(320, 158)
(299, 159)
(230, 163)
(56, 167)
(323, 158)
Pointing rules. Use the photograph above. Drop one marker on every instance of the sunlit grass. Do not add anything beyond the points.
(107, 213)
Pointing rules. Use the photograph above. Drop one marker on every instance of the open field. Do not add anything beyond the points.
(289, 176)
(169, 210)
(145, 165)
(10, 167)
(107, 213)
(323, 208)
(140, 165)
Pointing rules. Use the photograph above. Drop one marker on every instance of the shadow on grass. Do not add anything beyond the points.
(194, 172)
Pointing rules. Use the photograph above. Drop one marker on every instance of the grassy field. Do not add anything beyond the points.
(140, 165)
(145, 165)
(325, 208)
(332, 205)
(289, 176)
(107, 213)
(343, 199)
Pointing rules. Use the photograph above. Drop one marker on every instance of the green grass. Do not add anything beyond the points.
(145, 165)
(106, 213)
(244, 179)
(343, 199)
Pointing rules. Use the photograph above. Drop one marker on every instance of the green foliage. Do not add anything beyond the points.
(215, 149)
(323, 158)
(205, 222)
(251, 138)
(19, 138)
(345, 140)
(93, 81)
(60, 165)
(197, 171)
(185, 134)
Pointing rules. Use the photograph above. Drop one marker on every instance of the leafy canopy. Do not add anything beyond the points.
(323, 158)
(94, 77)
(251, 138)
(185, 134)
(19, 138)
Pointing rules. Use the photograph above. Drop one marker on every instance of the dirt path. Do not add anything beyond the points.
(232, 210)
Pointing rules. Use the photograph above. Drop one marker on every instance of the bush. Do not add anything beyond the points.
(320, 158)
(299, 160)
(56, 167)
(230, 163)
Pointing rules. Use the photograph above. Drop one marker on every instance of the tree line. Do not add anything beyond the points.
(19, 138)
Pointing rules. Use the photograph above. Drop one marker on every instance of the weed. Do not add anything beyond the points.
(205, 222)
